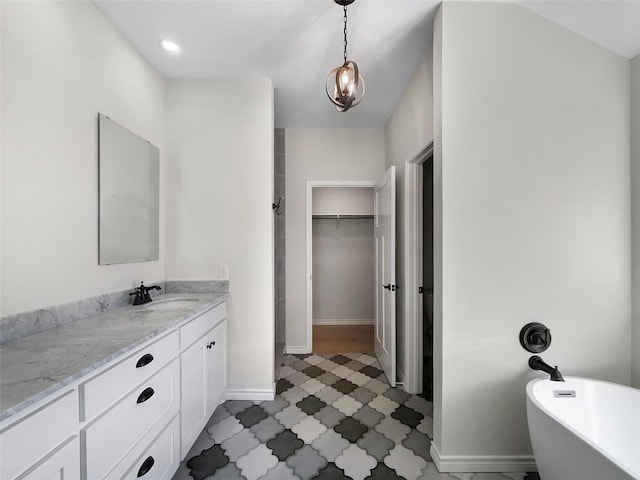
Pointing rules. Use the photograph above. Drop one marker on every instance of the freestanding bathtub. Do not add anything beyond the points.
(584, 429)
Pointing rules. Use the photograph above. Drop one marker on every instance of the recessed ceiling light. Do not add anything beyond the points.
(170, 46)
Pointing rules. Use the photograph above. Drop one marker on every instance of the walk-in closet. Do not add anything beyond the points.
(343, 259)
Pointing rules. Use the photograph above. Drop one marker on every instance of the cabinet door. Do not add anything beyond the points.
(62, 464)
(217, 366)
(194, 390)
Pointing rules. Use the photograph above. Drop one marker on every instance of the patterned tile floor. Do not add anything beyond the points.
(334, 417)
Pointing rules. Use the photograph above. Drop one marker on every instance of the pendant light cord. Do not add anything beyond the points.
(345, 34)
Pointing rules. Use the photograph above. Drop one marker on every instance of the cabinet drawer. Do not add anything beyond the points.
(25, 442)
(112, 436)
(105, 389)
(161, 459)
(62, 464)
(197, 327)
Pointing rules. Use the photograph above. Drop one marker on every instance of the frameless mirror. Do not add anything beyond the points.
(129, 186)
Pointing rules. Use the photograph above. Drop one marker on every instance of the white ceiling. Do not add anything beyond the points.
(297, 42)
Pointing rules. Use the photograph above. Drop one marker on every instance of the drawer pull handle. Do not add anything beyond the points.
(146, 394)
(146, 359)
(211, 345)
(146, 466)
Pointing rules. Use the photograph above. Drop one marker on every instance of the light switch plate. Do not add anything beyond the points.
(223, 272)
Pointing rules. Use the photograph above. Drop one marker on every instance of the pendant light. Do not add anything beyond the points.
(345, 86)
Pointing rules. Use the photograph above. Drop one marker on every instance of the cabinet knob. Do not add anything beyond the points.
(211, 345)
(146, 466)
(146, 359)
(146, 394)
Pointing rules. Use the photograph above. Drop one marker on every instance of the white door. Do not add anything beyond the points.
(385, 233)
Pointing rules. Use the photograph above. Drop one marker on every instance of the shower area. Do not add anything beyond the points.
(280, 247)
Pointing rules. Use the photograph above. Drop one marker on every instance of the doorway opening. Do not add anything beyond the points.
(343, 269)
(427, 278)
(419, 271)
(383, 281)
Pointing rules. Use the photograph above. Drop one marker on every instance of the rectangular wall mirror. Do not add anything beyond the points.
(129, 191)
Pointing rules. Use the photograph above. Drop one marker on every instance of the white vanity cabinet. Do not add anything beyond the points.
(134, 417)
(203, 371)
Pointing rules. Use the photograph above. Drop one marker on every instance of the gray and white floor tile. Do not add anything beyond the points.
(334, 417)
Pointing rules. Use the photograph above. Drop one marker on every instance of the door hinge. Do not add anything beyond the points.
(420, 289)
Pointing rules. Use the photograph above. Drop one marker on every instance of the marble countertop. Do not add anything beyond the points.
(35, 366)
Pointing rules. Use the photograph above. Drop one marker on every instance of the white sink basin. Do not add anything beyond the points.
(171, 303)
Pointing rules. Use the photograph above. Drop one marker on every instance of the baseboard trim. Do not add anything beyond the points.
(343, 321)
(251, 394)
(297, 350)
(482, 463)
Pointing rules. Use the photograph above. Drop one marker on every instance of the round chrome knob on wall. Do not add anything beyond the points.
(535, 337)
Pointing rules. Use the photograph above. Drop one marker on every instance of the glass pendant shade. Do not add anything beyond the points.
(345, 86)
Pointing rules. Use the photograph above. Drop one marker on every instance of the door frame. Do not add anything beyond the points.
(413, 269)
(311, 184)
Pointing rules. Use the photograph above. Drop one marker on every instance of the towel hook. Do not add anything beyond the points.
(276, 206)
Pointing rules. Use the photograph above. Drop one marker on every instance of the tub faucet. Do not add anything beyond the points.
(536, 363)
(142, 294)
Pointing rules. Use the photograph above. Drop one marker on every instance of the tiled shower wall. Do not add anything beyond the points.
(280, 243)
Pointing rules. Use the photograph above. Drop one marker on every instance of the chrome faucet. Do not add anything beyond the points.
(536, 363)
(142, 294)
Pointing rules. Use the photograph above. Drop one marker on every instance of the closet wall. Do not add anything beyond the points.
(343, 256)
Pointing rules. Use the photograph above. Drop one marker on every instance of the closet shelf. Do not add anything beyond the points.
(343, 216)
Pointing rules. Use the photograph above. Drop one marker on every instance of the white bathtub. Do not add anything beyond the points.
(594, 435)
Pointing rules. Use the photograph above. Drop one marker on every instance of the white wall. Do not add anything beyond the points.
(410, 127)
(342, 201)
(408, 131)
(219, 149)
(62, 63)
(319, 154)
(438, 354)
(532, 151)
(635, 218)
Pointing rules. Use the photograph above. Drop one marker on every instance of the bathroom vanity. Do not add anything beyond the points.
(121, 395)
